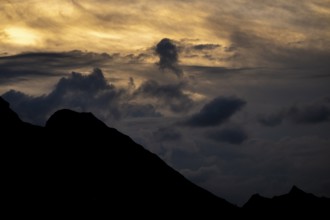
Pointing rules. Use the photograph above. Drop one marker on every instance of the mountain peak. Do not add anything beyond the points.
(256, 196)
(296, 202)
(256, 202)
(67, 119)
(296, 191)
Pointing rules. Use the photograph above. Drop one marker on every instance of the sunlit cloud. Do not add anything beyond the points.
(21, 36)
(251, 33)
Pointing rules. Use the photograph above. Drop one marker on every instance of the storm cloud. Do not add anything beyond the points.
(168, 56)
(215, 112)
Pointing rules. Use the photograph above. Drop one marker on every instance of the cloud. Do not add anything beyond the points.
(138, 58)
(310, 114)
(165, 134)
(262, 40)
(314, 113)
(271, 120)
(136, 110)
(168, 56)
(197, 52)
(232, 135)
(91, 93)
(48, 63)
(206, 46)
(169, 95)
(215, 112)
(258, 35)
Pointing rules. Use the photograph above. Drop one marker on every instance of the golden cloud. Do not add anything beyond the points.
(125, 26)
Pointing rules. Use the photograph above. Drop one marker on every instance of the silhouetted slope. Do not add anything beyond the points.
(10, 120)
(7, 116)
(257, 202)
(78, 165)
(295, 203)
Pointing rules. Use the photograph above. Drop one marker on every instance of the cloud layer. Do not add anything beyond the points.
(48, 63)
(250, 33)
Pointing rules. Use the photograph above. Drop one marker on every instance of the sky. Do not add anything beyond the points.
(234, 94)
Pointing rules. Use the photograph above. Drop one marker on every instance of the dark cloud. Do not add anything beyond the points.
(137, 58)
(167, 134)
(207, 52)
(314, 113)
(77, 92)
(131, 83)
(82, 93)
(271, 120)
(232, 135)
(136, 110)
(206, 46)
(215, 112)
(168, 56)
(48, 63)
(217, 71)
(310, 114)
(169, 95)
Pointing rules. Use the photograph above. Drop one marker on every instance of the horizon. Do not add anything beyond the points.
(233, 94)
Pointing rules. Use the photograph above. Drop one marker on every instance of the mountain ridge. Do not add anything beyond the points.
(76, 164)
(294, 203)
(79, 165)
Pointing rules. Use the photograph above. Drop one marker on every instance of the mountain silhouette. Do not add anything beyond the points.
(78, 166)
(295, 203)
